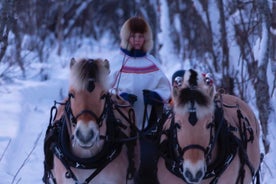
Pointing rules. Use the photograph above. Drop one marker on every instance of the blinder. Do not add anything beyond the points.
(208, 79)
(177, 78)
(177, 81)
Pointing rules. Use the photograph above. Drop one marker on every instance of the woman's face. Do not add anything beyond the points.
(136, 40)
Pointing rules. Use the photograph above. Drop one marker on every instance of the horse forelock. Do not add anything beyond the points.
(84, 71)
(187, 95)
(194, 91)
(202, 103)
(193, 78)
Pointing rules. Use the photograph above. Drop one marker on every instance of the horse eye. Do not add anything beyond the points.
(208, 81)
(71, 95)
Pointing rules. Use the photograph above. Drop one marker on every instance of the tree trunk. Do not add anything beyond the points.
(273, 35)
(5, 22)
(228, 81)
(209, 26)
(261, 86)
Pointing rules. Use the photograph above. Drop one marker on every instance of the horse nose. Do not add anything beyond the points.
(193, 177)
(86, 136)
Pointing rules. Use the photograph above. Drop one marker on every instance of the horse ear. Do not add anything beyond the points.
(72, 62)
(91, 85)
(106, 65)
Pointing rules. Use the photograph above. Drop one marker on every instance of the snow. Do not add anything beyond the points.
(25, 109)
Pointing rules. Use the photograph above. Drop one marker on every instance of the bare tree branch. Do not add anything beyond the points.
(27, 158)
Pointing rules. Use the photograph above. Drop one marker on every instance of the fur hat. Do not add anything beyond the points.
(136, 25)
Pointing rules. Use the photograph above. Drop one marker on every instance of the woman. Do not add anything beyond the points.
(140, 80)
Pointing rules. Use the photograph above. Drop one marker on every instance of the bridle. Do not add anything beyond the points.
(221, 134)
(178, 152)
(57, 140)
(218, 127)
(72, 119)
(114, 139)
(192, 119)
(192, 94)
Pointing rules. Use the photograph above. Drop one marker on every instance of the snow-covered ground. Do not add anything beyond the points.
(24, 115)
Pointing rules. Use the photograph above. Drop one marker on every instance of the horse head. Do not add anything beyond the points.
(193, 98)
(87, 87)
(94, 131)
(209, 136)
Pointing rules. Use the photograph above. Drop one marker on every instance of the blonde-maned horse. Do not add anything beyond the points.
(209, 137)
(93, 136)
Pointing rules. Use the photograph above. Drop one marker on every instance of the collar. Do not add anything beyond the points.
(133, 52)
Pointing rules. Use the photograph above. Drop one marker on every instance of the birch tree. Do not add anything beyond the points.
(261, 83)
(5, 20)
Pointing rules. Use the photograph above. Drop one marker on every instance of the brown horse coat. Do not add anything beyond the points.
(97, 139)
(190, 153)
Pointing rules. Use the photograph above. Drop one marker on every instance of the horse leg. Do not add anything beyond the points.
(232, 172)
(164, 175)
(59, 172)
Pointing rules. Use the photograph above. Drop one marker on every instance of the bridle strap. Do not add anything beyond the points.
(85, 111)
(122, 139)
(193, 146)
(173, 161)
(73, 118)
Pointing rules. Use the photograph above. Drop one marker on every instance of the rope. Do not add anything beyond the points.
(123, 64)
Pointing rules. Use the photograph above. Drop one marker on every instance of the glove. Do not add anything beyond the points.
(129, 97)
(152, 98)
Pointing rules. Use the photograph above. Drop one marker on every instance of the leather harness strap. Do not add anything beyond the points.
(114, 141)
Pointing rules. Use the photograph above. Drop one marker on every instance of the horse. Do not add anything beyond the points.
(92, 137)
(210, 137)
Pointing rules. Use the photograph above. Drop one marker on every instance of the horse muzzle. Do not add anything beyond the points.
(194, 172)
(86, 135)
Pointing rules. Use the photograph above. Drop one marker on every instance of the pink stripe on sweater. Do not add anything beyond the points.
(148, 69)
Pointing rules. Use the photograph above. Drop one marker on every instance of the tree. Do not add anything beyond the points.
(219, 36)
(6, 20)
(261, 83)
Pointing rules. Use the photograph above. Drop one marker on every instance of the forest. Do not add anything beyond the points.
(233, 39)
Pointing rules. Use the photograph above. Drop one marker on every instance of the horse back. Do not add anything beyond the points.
(241, 117)
(231, 105)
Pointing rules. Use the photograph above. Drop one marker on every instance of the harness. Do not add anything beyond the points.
(57, 142)
(221, 134)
